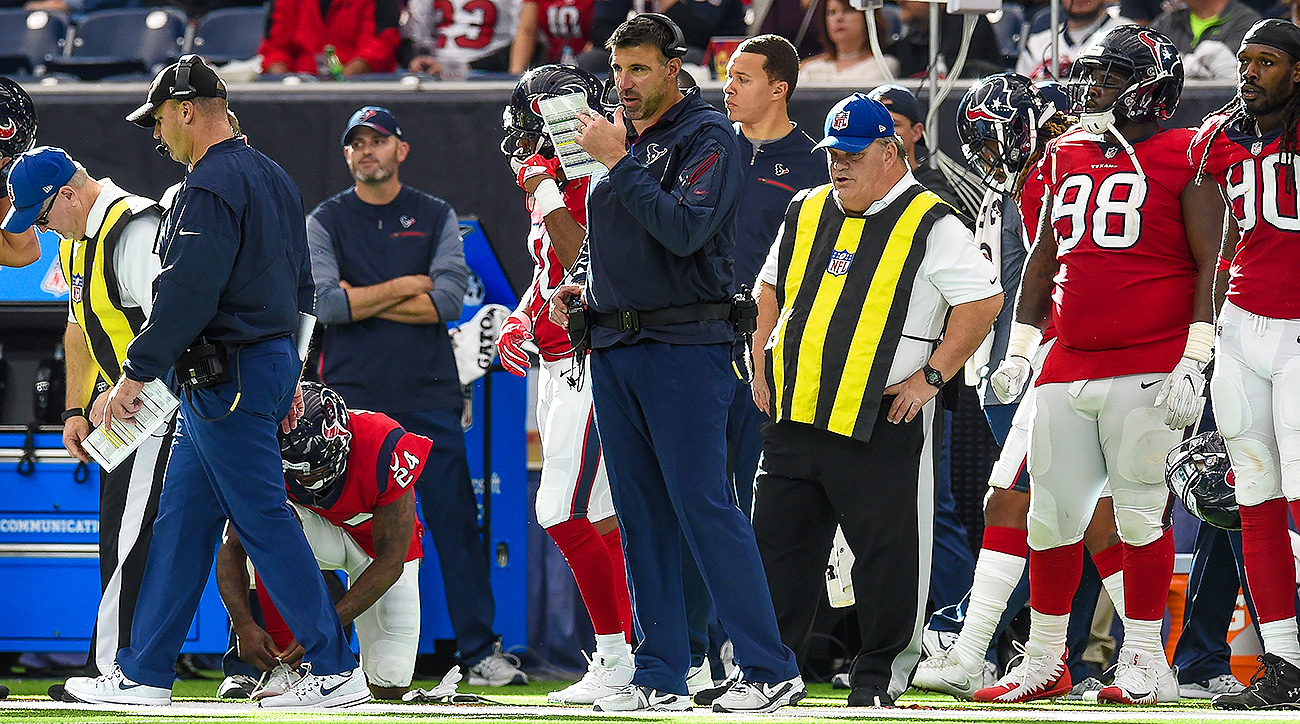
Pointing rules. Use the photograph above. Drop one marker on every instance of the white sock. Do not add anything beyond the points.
(996, 576)
(1143, 636)
(1046, 633)
(1280, 639)
(1114, 585)
(611, 644)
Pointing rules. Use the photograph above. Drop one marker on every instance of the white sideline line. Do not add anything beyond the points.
(199, 710)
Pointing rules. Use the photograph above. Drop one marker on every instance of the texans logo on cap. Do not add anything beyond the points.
(8, 130)
(840, 121)
(365, 116)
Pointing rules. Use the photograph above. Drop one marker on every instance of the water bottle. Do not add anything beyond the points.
(333, 63)
(567, 57)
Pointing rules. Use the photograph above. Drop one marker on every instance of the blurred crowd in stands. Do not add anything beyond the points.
(469, 39)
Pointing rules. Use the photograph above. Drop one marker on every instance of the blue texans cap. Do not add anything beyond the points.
(34, 178)
(377, 118)
(855, 122)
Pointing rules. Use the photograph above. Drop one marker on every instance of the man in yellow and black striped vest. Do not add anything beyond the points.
(853, 300)
(108, 260)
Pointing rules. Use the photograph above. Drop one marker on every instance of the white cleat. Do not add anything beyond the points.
(635, 697)
(934, 642)
(1210, 688)
(333, 691)
(606, 675)
(115, 688)
(1141, 678)
(496, 669)
(748, 697)
(944, 674)
(1043, 676)
(275, 682)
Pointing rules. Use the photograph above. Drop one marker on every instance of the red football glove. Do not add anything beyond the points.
(516, 330)
(536, 165)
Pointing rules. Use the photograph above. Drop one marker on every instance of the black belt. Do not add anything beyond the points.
(631, 320)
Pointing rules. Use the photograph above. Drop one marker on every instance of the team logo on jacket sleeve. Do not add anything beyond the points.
(840, 261)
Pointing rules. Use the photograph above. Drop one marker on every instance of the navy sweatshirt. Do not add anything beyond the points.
(235, 265)
(661, 225)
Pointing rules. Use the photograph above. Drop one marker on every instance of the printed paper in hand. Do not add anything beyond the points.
(109, 447)
(561, 116)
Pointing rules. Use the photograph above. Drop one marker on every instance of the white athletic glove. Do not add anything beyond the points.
(1182, 394)
(1010, 378)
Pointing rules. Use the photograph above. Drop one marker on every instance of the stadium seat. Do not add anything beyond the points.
(116, 42)
(1007, 25)
(28, 38)
(230, 34)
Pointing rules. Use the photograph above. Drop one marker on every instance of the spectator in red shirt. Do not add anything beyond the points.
(363, 32)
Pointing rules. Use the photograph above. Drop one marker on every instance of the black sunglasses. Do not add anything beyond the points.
(44, 218)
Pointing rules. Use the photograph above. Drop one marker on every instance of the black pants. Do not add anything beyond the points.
(128, 505)
(882, 493)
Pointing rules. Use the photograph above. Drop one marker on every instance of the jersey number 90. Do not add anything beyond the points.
(1258, 186)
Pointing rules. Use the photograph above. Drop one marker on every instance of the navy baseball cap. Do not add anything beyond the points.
(898, 100)
(855, 122)
(377, 118)
(34, 178)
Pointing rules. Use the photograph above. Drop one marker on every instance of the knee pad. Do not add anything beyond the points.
(1049, 526)
(390, 671)
(1139, 513)
(1253, 466)
(551, 509)
(1145, 442)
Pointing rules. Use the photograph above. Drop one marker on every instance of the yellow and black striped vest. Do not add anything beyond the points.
(92, 280)
(843, 288)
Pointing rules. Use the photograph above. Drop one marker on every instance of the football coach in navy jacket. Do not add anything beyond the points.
(661, 227)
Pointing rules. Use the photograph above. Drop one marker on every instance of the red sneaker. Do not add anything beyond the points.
(1035, 677)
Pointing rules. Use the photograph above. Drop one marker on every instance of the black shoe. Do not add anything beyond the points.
(1275, 685)
(706, 697)
(4, 692)
(865, 696)
(55, 692)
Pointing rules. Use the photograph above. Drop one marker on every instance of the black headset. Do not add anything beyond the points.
(183, 90)
(677, 48)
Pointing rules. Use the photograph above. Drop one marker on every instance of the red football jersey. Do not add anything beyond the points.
(548, 274)
(1122, 299)
(380, 450)
(564, 23)
(1031, 205)
(1262, 190)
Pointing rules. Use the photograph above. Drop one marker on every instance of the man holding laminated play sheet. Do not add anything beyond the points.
(235, 276)
(107, 258)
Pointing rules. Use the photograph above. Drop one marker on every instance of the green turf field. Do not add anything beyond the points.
(196, 702)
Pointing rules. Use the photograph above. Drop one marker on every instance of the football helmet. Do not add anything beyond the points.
(522, 119)
(997, 122)
(315, 452)
(1055, 93)
(1198, 472)
(1141, 65)
(17, 122)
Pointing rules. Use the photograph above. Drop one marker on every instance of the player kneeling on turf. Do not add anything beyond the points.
(357, 522)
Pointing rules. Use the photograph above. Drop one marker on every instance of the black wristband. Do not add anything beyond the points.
(74, 412)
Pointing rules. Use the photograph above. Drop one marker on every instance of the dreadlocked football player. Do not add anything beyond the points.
(1004, 122)
(574, 503)
(1124, 266)
(1249, 147)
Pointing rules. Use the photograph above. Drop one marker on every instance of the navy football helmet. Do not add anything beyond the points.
(1055, 93)
(1199, 473)
(522, 119)
(998, 122)
(17, 123)
(1140, 64)
(315, 452)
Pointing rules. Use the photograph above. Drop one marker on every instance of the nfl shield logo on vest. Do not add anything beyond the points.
(840, 261)
(76, 288)
(840, 121)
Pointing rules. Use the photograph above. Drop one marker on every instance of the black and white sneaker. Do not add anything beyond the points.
(114, 688)
(237, 686)
(751, 697)
(334, 691)
(1275, 685)
(706, 697)
(635, 697)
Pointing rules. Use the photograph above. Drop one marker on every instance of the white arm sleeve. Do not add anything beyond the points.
(137, 264)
